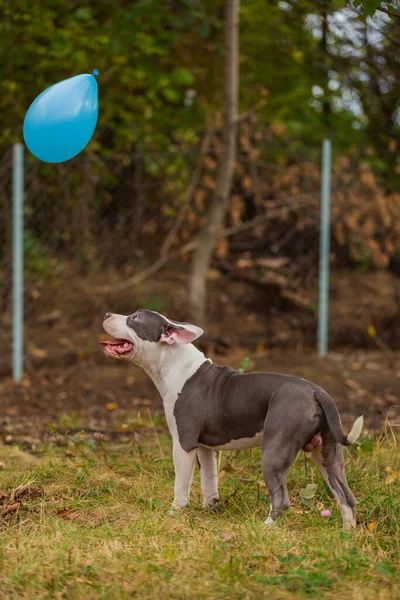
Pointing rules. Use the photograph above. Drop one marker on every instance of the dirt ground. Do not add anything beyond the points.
(69, 381)
(98, 394)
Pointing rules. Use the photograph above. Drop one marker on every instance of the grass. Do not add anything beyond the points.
(91, 520)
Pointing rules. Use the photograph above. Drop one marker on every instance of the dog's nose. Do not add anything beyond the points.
(106, 316)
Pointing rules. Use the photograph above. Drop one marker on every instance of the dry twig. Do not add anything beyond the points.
(160, 262)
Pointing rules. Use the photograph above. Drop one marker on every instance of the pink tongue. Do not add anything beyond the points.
(118, 345)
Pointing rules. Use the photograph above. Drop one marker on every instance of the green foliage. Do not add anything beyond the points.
(369, 6)
(161, 69)
(309, 491)
(149, 55)
(153, 303)
(37, 261)
(134, 46)
(244, 365)
(385, 567)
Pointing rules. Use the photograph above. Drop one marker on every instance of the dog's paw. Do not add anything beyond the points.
(211, 501)
(349, 526)
(269, 521)
(175, 509)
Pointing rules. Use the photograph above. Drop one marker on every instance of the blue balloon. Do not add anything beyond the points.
(61, 120)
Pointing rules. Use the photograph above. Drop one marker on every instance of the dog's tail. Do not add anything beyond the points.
(333, 419)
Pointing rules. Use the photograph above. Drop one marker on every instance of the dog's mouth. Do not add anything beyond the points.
(117, 347)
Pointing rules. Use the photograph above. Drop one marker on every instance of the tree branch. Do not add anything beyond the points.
(160, 262)
(194, 182)
(252, 111)
(389, 12)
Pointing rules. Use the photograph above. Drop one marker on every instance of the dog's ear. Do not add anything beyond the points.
(184, 333)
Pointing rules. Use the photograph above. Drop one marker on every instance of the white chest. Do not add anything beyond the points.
(178, 367)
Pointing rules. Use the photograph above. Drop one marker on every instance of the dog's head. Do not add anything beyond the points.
(137, 337)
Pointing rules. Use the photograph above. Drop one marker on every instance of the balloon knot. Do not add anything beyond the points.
(95, 72)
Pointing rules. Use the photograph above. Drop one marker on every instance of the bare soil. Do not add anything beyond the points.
(102, 395)
(67, 373)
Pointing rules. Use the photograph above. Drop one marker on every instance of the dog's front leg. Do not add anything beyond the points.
(184, 466)
(208, 475)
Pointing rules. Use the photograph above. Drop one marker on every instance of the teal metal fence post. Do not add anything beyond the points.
(18, 261)
(324, 250)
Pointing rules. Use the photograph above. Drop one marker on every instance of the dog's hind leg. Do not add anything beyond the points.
(279, 451)
(184, 466)
(209, 475)
(329, 459)
(289, 424)
(275, 475)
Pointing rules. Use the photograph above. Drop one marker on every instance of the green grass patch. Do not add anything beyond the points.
(88, 519)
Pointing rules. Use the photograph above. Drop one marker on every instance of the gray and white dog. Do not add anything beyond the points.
(209, 407)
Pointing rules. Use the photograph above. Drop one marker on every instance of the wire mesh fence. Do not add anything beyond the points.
(86, 222)
(98, 221)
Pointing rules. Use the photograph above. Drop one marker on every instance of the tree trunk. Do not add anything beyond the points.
(208, 235)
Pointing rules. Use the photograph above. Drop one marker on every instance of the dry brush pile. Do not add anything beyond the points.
(134, 214)
(272, 231)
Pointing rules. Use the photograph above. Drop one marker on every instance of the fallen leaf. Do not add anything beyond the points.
(213, 274)
(392, 478)
(229, 468)
(66, 514)
(122, 426)
(272, 263)
(371, 331)
(309, 491)
(25, 489)
(372, 526)
(390, 399)
(373, 366)
(11, 508)
(356, 366)
(352, 384)
(243, 263)
(38, 352)
(111, 406)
